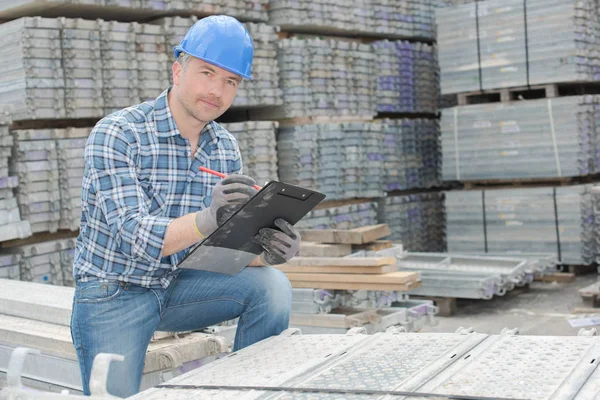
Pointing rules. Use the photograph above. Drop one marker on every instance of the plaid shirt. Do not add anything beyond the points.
(139, 176)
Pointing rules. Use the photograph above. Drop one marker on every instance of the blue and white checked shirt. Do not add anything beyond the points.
(139, 175)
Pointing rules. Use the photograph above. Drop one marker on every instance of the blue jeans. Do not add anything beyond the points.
(121, 318)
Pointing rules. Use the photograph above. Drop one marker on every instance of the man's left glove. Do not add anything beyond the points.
(280, 246)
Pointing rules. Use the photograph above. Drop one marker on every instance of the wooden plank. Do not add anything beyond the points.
(361, 235)
(400, 287)
(339, 318)
(338, 270)
(376, 245)
(309, 249)
(341, 261)
(562, 277)
(389, 278)
(40, 237)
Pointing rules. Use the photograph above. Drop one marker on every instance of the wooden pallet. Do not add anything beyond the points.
(39, 238)
(559, 277)
(357, 236)
(349, 35)
(546, 91)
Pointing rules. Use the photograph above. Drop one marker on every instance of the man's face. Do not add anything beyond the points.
(204, 90)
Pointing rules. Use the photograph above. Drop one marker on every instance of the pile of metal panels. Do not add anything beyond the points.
(450, 365)
(407, 77)
(35, 162)
(526, 139)
(129, 10)
(412, 153)
(9, 266)
(40, 262)
(41, 321)
(406, 19)
(71, 164)
(11, 224)
(341, 160)
(510, 52)
(418, 221)
(534, 220)
(343, 217)
(263, 90)
(256, 140)
(325, 78)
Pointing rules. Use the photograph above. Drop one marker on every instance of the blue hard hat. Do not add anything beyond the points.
(222, 41)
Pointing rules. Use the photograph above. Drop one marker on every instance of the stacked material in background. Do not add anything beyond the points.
(33, 80)
(151, 66)
(325, 78)
(412, 18)
(510, 55)
(341, 160)
(527, 139)
(412, 153)
(11, 225)
(523, 220)
(64, 149)
(342, 217)
(35, 162)
(9, 266)
(263, 89)
(256, 140)
(255, 10)
(418, 221)
(407, 77)
(82, 62)
(42, 262)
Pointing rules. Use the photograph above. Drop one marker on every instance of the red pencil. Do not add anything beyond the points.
(220, 175)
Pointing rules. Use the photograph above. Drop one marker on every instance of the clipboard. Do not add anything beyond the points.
(232, 246)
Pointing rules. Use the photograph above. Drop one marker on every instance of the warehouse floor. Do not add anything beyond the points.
(543, 309)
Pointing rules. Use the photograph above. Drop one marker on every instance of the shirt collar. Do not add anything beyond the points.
(165, 123)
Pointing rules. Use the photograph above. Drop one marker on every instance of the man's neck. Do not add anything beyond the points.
(189, 127)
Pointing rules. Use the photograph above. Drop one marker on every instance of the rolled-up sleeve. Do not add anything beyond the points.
(122, 198)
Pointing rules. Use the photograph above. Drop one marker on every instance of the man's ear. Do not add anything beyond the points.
(177, 72)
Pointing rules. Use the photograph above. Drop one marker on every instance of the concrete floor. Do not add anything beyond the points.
(541, 309)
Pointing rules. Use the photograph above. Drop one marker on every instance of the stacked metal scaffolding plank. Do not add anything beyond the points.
(256, 140)
(325, 78)
(71, 164)
(342, 217)
(341, 160)
(152, 67)
(11, 224)
(501, 50)
(407, 77)
(412, 18)
(458, 364)
(82, 63)
(9, 266)
(527, 139)
(523, 220)
(33, 80)
(35, 162)
(412, 153)
(418, 221)
(263, 90)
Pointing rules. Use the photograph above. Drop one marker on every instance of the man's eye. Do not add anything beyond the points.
(232, 83)
(206, 73)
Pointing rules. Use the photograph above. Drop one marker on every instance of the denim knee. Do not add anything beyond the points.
(276, 290)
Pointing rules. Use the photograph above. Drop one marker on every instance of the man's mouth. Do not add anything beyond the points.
(210, 104)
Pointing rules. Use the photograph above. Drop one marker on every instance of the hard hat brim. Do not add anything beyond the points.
(178, 50)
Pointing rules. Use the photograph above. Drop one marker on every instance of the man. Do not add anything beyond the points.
(144, 203)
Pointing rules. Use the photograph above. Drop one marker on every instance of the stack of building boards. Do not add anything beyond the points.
(412, 18)
(44, 262)
(527, 139)
(407, 77)
(71, 164)
(412, 153)
(41, 320)
(416, 220)
(341, 217)
(255, 10)
(263, 90)
(324, 78)
(11, 225)
(256, 140)
(504, 43)
(341, 160)
(35, 162)
(556, 221)
(346, 273)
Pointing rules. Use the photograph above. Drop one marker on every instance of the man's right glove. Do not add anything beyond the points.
(280, 246)
(228, 196)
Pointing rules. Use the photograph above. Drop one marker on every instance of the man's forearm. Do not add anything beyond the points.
(180, 235)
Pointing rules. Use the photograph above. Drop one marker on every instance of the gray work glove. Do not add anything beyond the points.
(280, 247)
(228, 196)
